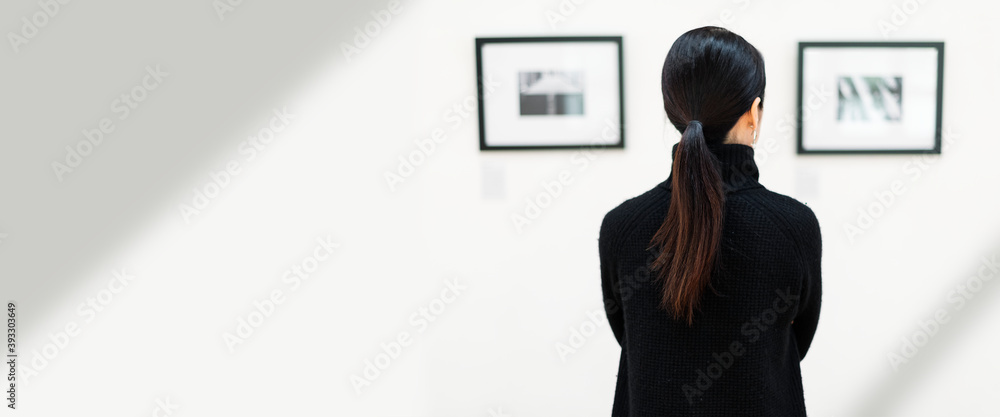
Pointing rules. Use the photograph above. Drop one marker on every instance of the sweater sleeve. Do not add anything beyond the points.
(609, 281)
(810, 297)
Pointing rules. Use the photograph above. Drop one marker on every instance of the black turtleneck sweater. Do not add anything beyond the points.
(741, 356)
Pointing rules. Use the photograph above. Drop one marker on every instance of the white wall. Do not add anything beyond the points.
(493, 350)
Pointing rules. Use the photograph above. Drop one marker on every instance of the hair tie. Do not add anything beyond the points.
(694, 122)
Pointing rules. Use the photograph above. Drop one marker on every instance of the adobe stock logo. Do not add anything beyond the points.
(294, 276)
(884, 198)
(364, 37)
(225, 6)
(88, 310)
(423, 148)
(562, 12)
(961, 294)
(580, 334)
(124, 105)
(39, 20)
(217, 182)
(899, 16)
(391, 351)
(552, 189)
(753, 330)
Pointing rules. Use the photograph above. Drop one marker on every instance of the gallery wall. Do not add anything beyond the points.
(530, 288)
(433, 302)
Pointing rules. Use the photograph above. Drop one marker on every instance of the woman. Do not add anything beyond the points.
(711, 281)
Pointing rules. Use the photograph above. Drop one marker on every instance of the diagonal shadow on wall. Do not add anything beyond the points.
(224, 76)
(889, 393)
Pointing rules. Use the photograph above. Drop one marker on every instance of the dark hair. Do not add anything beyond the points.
(710, 78)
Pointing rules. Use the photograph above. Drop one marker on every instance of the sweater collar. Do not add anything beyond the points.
(738, 168)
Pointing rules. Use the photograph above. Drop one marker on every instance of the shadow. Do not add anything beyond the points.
(224, 78)
(893, 389)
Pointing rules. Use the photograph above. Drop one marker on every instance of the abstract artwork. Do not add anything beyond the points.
(550, 93)
(870, 97)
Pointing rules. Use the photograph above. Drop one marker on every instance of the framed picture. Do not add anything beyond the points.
(550, 93)
(870, 97)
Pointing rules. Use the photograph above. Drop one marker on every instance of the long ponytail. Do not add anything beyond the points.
(691, 234)
(711, 77)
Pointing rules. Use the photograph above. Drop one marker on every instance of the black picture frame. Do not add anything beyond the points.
(803, 46)
(483, 41)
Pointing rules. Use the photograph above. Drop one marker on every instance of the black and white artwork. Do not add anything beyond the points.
(862, 99)
(550, 93)
(870, 97)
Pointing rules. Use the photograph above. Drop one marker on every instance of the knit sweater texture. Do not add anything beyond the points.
(754, 325)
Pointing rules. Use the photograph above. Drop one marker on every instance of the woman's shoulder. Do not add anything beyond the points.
(633, 211)
(793, 217)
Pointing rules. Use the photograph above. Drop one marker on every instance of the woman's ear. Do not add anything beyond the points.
(755, 113)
